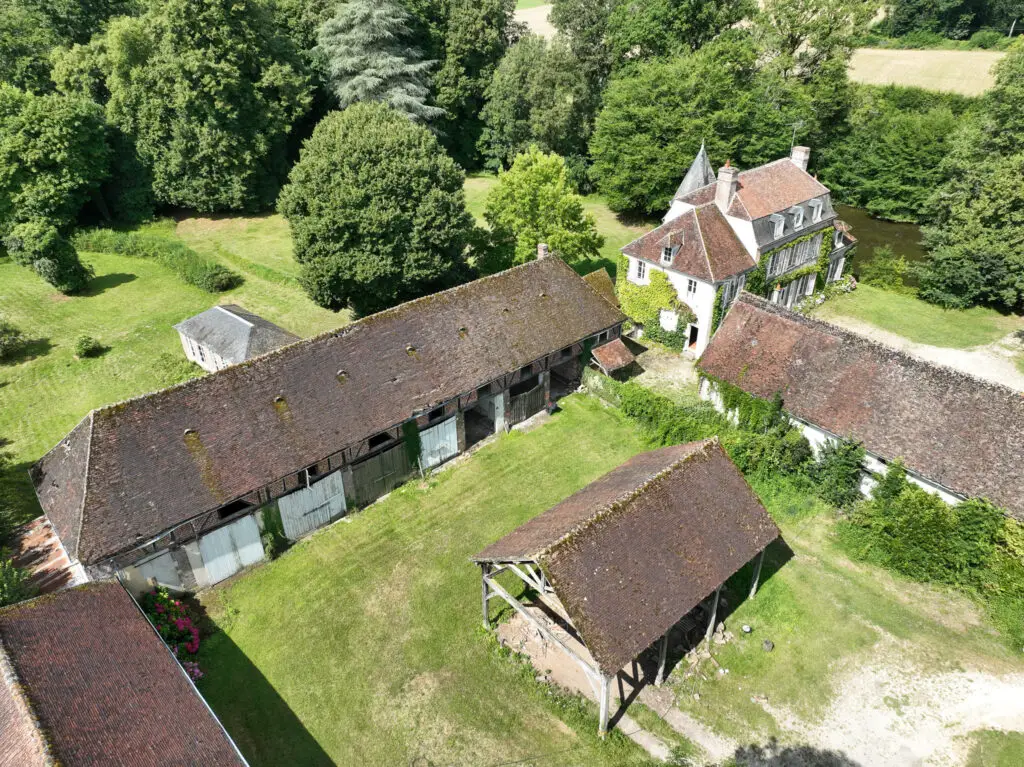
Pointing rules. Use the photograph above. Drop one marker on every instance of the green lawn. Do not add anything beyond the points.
(362, 645)
(522, 5)
(617, 230)
(993, 748)
(920, 321)
(130, 307)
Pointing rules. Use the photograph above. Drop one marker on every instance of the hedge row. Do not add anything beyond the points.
(191, 267)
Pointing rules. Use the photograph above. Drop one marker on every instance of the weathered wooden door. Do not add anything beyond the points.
(439, 443)
(160, 570)
(311, 507)
(380, 474)
(228, 549)
(526, 404)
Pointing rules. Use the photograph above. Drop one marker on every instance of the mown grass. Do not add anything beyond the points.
(367, 635)
(522, 5)
(921, 321)
(130, 307)
(993, 748)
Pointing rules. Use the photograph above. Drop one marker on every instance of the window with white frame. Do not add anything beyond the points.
(641, 269)
(837, 240)
(797, 212)
(816, 207)
(666, 255)
(691, 287)
(778, 225)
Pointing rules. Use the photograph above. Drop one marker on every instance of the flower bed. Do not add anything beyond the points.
(176, 628)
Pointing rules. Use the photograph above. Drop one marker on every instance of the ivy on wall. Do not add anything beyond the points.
(757, 281)
(716, 311)
(643, 304)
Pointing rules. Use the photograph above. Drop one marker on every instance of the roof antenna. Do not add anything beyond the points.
(795, 126)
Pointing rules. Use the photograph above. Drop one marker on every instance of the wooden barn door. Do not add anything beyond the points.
(311, 507)
(439, 443)
(228, 549)
(380, 474)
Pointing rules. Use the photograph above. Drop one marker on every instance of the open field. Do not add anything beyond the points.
(522, 5)
(130, 307)
(964, 72)
(362, 645)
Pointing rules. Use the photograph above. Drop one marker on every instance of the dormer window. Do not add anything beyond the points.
(838, 239)
(666, 255)
(797, 212)
(778, 225)
(816, 208)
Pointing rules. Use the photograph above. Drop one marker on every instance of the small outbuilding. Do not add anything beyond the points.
(630, 555)
(226, 335)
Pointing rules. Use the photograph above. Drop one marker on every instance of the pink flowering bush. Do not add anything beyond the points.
(175, 626)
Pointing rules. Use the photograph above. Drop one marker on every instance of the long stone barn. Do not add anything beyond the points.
(168, 488)
(629, 556)
(958, 436)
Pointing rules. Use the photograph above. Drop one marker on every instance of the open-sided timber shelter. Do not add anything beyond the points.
(170, 487)
(629, 555)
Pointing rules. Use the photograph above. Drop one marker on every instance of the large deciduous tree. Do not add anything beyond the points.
(801, 36)
(26, 39)
(207, 91)
(368, 56)
(377, 211)
(585, 24)
(532, 203)
(539, 95)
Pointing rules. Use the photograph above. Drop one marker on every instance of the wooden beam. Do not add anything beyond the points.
(485, 593)
(714, 616)
(757, 574)
(589, 670)
(603, 701)
(662, 656)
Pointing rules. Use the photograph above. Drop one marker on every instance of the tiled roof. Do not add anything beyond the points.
(155, 462)
(773, 188)
(603, 283)
(234, 334)
(36, 547)
(100, 686)
(636, 550)
(962, 433)
(613, 355)
(705, 246)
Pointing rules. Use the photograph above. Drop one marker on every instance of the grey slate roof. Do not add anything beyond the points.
(132, 471)
(699, 175)
(235, 334)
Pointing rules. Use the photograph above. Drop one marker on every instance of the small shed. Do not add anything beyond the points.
(631, 554)
(226, 335)
(613, 356)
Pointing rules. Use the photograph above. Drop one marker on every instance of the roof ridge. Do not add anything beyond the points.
(618, 503)
(235, 316)
(763, 303)
(338, 332)
(703, 243)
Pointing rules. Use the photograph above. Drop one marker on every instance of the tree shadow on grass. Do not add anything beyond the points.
(776, 755)
(105, 282)
(27, 351)
(258, 719)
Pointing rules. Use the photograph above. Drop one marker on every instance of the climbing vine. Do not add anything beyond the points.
(411, 441)
(716, 311)
(643, 304)
(757, 280)
(753, 413)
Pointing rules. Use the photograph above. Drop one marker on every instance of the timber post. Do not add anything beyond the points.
(757, 574)
(714, 616)
(605, 693)
(662, 655)
(485, 593)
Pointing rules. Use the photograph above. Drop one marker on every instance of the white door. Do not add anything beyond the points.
(161, 570)
(228, 549)
(439, 443)
(311, 507)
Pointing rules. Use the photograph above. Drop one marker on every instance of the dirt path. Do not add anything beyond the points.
(992, 362)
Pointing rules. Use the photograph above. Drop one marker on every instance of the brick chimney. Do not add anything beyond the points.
(727, 181)
(800, 155)
(542, 250)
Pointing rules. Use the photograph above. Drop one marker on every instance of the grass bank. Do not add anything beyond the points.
(921, 321)
(362, 644)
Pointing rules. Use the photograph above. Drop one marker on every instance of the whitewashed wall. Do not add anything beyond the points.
(702, 301)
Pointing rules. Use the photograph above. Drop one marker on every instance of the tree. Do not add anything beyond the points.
(367, 56)
(377, 211)
(207, 91)
(76, 21)
(539, 95)
(585, 24)
(532, 203)
(26, 39)
(838, 472)
(641, 29)
(950, 18)
(38, 245)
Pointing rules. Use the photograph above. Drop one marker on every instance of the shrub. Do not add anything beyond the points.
(887, 271)
(275, 542)
(838, 472)
(668, 423)
(11, 340)
(781, 451)
(14, 584)
(87, 346)
(191, 267)
(986, 38)
(40, 246)
(171, 619)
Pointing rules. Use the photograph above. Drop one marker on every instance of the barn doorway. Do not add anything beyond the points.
(691, 340)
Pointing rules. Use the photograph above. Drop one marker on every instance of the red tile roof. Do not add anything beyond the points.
(773, 188)
(636, 550)
(36, 547)
(613, 356)
(957, 431)
(102, 687)
(134, 470)
(706, 246)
